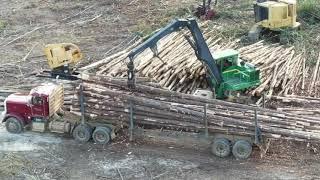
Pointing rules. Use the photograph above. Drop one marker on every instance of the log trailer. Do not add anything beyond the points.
(227, 74)
(40, 111)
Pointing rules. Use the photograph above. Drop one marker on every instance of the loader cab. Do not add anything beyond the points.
(236, 74)
(226, 59)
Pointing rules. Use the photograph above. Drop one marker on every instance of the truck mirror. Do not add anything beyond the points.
(30, 100)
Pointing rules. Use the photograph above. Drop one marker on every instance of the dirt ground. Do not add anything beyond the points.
(100, 28)
(97, 27)
(49, 156)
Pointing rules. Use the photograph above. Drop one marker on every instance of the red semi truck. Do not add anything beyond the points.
(40, 110)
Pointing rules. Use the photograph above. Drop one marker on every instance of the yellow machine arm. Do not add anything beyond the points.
(59, 55)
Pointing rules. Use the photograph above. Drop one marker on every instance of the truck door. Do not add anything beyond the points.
(37, 106)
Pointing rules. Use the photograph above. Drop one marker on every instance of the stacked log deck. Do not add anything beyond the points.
(283, 70)
(108, 99)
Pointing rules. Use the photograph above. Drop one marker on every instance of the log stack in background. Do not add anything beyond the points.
(177, 68)
(107, 99)
(281, 68)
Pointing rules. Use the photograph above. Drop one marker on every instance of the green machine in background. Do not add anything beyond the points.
(227, 75)
(236, 74)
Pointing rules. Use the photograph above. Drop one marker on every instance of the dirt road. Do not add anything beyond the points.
(50, 156)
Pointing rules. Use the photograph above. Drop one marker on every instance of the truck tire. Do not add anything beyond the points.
(101, 135)
(14, 125)
(221, 147)
(242, 149)
(82, 133)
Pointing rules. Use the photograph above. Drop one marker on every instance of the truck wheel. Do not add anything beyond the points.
(13, 125)
(221, 147)
(101, 135)
(242, 149)
(82, 133)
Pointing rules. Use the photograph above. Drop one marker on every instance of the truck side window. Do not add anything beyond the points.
(37, 100)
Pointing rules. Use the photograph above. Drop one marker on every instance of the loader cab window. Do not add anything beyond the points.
(225, 63)
(261, 13)
(37, 100)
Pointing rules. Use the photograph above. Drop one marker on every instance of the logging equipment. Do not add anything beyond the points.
(273, 15)
(204, 10)
(62, 59)
(226, 73)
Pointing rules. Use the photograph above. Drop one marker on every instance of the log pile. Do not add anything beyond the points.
(177, 68)
(108, 99)
(314, 80)
(281, 68)
(302, 105)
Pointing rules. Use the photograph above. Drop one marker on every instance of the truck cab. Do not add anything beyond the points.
(39, 110)
(34, 108)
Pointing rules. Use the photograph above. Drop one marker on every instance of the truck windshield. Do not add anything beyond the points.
(37, 100)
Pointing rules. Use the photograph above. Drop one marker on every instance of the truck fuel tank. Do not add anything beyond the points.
(59, 127)
(39, 125)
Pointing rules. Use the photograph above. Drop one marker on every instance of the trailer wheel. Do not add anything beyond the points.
(221, 147)
(101, 135)
(242, 149)
(13, 125)
(82, 133)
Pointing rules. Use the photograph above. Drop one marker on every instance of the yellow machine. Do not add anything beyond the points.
(274, 15)
(62, 59)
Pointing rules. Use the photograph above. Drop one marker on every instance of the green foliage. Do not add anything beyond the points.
(3, 24)
(309, 11)
(310, 6)
(291, 36)
(306, 38)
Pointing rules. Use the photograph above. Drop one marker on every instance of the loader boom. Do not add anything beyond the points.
(199, 45)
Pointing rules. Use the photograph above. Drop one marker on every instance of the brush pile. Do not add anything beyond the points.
(177, 68)
(108, 99)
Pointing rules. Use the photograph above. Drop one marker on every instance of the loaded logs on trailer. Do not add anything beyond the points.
(108, 99)
(68, 86)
